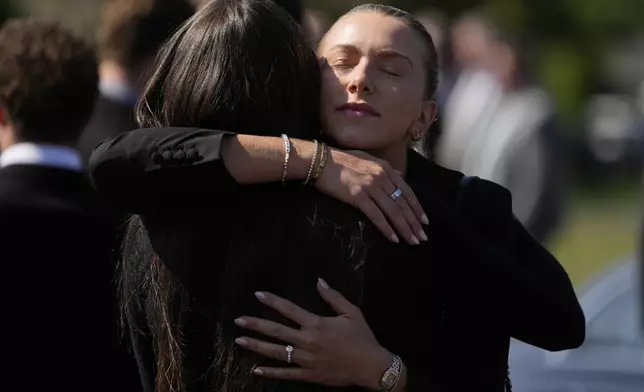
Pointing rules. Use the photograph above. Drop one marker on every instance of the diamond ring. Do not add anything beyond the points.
(289, 354)
(397, 193)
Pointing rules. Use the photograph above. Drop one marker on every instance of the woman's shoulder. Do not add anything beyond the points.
(423, 174)
(455, 187)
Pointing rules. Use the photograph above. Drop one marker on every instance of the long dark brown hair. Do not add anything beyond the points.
(232, 59)
(243, 66)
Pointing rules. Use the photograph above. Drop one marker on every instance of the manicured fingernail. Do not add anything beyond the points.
(424, 219)
(241, 322)
(258, 372)
(422, 235)
(323, 284)
(260, 296)
(394, 238)
(242, 342)
(414, 240)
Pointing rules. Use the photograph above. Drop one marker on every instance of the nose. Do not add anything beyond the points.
(359, 80)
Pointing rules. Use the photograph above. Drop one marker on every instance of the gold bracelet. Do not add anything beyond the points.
(315, 157)
(287, 155)
(323, 157)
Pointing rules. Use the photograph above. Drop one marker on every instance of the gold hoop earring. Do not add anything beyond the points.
(417, 136)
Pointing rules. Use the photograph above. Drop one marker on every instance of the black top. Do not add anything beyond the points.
(448, 307)
(58, 293)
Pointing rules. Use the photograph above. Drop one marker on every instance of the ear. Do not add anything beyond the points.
(6, 132)
(428, 114)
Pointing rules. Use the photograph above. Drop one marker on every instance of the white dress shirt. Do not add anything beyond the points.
(118, 91)
(42, 155)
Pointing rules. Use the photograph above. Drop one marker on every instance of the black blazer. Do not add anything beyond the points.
(109, 119)
(59, 298)
(448, 306)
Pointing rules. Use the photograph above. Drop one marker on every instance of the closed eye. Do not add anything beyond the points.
(342, 66)
(391, 73)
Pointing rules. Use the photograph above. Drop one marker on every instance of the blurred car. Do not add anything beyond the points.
(611, 359)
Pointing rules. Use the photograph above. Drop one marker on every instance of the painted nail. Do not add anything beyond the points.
(323, 284)
(414, 240)
(242, 342)
(422, 235)
(424, 219)
(394, 238)
(260, 296)
(258, 372)
(241, 322)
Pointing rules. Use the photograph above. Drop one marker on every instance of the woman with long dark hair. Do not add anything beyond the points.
(238, 245)
(224, 237)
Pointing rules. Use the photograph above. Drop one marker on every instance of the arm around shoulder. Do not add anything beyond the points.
(165, 168)
(147, 169)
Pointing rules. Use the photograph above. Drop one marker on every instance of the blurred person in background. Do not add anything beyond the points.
(316, 23)
(520, 147)
(437, 24)
(129, 37)
(55, 234)
(500, 126)
(473, 90)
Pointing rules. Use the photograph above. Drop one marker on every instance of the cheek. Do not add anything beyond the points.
(333, 92)
(331, 82)
(404, 102)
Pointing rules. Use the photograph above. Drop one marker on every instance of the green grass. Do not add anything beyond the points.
(601, 227)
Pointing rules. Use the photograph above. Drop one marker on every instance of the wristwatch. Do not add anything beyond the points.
(391, 376)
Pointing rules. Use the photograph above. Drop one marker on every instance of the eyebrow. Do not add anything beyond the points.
(394, 53)
(387, 52)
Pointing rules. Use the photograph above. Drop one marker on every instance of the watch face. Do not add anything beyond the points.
(390, 379)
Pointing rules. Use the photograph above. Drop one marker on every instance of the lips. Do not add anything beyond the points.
(358, 109)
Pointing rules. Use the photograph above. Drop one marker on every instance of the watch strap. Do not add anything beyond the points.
(391, 376)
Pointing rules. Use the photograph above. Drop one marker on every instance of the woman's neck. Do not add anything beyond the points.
(396, 156)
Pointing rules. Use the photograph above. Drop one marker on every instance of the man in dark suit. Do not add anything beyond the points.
(56, 235)
(129, 37)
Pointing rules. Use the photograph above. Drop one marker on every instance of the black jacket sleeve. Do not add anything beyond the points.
(542, 307)
(548, 315)
(147, 170)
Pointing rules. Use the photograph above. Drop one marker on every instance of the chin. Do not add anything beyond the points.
(352, 139)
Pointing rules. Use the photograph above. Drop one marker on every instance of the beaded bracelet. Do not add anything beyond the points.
(315, 157)
(323, 157)
(287, 155)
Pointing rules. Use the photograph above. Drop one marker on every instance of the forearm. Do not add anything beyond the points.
(259, 159)
(159, 168)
